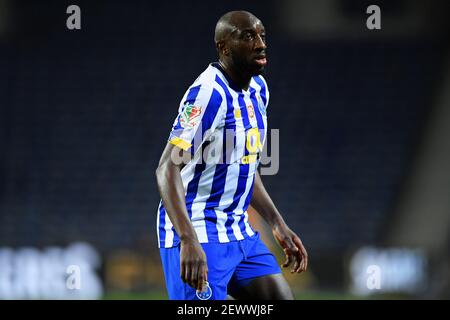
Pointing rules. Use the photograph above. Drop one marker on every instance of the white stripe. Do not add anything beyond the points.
(187, 173)
(248, 228)
(226, 200)
(235, 226)
(252, 168)
(168, 241)
(158, 224)
(239, 212)
(199, 202)
(220, 225)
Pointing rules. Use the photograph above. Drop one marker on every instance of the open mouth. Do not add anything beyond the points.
(261, 60)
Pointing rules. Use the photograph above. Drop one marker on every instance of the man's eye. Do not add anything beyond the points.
(248, 36)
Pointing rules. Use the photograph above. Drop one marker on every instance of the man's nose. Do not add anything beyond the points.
(259, 43)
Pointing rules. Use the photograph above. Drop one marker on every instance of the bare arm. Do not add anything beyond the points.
(288, 240)
(193, 267)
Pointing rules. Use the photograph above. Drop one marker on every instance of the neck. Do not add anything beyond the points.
(241, 79)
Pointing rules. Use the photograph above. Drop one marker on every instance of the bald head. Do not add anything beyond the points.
(232, 21)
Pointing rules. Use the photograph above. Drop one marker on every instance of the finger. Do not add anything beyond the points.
(297, 264)
(301, 261)
(304, 254)
(288, 258)
(305, 259)
(183, 271)
(194, 276)
(205, 270)
(304, 263)
(301, 266)
(201, 277)
(292, 248)
(188, 274)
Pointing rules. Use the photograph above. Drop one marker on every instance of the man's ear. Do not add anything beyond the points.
(221, 48)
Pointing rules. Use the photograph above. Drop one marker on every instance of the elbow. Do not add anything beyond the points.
(163, 171)
(160, 172)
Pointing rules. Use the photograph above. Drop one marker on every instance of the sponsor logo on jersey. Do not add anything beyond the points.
(190, 115)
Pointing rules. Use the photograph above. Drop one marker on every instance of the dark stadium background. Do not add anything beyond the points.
(363, 119)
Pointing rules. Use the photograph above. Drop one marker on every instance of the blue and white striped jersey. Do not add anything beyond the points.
(224, 129)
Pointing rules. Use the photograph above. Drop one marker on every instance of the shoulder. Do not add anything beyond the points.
(263, 89)
(261, 81)
(209, 92)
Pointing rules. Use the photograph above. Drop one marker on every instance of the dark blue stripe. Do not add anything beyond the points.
(192, 94)
(215, 195)
(192, 187)
(241, 224)
(230, 123)
(263, 88)
(208, 117)
(228, 224)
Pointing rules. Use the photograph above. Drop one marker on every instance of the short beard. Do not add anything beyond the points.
(243, 66)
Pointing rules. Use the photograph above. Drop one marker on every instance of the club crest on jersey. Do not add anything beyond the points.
(206, 292)
(251, 111)
(190, 115)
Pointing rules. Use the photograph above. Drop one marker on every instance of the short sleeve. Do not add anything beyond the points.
(200, 112)
(264, 89)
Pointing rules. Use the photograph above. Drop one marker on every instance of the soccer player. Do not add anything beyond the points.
(208, 248)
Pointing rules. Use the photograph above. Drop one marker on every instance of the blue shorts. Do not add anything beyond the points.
(231, 266)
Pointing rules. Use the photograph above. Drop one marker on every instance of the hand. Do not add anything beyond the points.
(193, 267)
(293, 248)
